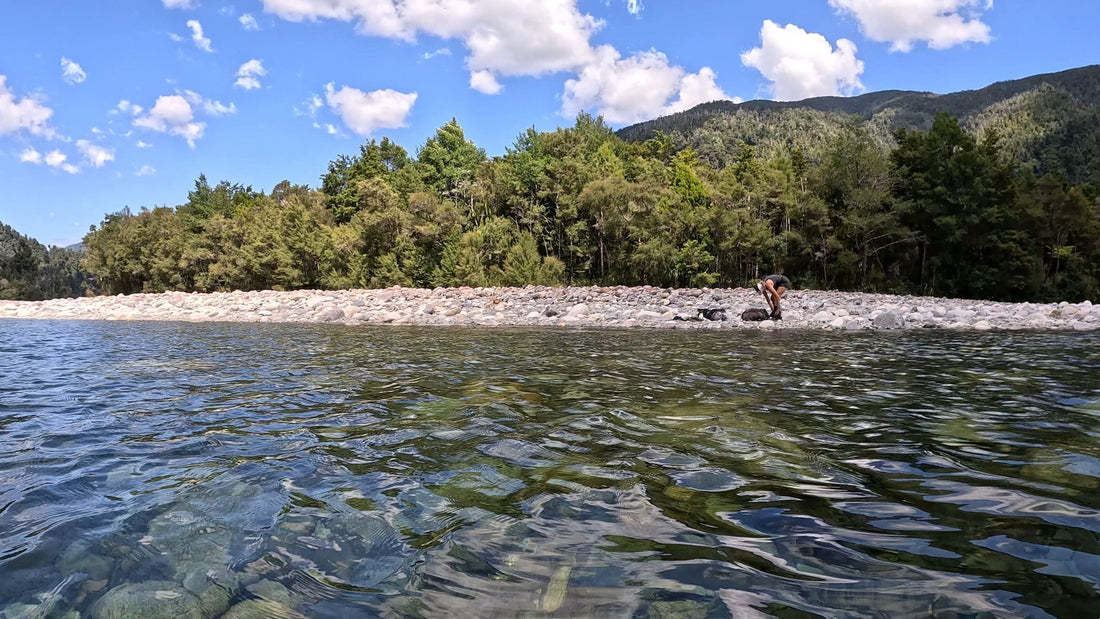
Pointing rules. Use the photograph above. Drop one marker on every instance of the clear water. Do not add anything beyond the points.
(288, 471)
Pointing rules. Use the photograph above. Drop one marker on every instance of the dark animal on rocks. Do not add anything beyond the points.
(713, 313)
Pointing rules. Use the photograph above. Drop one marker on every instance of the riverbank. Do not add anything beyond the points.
(645, 307)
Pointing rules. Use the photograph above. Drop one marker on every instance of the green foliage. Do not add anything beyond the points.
(1052, 122)
(377, 160)
(450, 160)
(30, 271)
(946, 208)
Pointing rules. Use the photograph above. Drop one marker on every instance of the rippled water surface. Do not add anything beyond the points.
(185, 470)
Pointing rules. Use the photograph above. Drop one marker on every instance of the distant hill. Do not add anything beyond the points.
(1050, 121)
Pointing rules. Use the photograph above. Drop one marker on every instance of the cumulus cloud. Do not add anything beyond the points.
(637, 88)
(172, 114)
(483, 81)
(366, 112)
(26, 114)
(180, 4)
(30, 156)
(801, 64)
(94, 154)
(146, 170)
(169, 110)
(71, 72)
(248, 76)
(248, 22)
(503, 37)
(201, 42)
(57, 159)
(634, 6)
(143, 144)
(903, 23)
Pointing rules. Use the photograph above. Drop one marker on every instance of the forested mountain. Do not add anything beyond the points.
(1051, 122)
(32, 271)
(875, 194)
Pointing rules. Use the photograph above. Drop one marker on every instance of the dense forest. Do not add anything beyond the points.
(31, 271)
(1049, 123)
(944, 208)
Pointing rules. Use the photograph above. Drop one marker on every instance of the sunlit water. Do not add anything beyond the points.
(285, 471)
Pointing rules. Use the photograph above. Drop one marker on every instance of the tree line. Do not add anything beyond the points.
(940, 212)
(31, 271)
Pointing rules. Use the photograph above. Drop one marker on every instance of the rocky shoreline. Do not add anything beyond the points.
(611, 307)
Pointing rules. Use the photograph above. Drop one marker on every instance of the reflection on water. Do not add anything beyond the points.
(184, 470)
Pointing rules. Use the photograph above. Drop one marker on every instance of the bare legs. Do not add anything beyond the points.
(771, 295)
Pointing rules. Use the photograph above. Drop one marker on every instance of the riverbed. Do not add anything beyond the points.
(177, 469)
(612, 307)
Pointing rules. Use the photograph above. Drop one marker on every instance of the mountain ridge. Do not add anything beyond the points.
(1068, 142)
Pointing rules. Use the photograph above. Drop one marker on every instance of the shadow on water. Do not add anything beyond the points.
(189, 470)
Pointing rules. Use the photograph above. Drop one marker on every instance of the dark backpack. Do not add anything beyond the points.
(755, 314)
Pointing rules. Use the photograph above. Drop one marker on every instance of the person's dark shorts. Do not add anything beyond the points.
(780, 281)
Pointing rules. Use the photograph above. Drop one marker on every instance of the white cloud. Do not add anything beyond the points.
(146, 170)
(503, 37)
(193, 97)
(483, 81)
(634, 7)
(169, 110)
(801, 64)
(71, 72)
(249, 73)
(96, 155)
(697, 88)
(366, 112)
(27, 113)
(189, 132)
(309, 107)
(443, 51)
(903, 23)
(216, 108)
(329, 128)
(201, 42)
(126, 107)
(637, 88)
(248, 22)
(143, 144)
(175, 37)
(180, 4)
(172, 114)
(30, 156)
(56, 159)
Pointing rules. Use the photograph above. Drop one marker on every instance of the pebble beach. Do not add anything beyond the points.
(563, 307)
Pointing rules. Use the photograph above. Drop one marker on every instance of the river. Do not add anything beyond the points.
(248, 470)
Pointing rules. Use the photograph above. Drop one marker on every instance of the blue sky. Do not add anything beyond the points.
(125, 102)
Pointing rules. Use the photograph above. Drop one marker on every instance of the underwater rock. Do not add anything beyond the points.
(148, 600)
